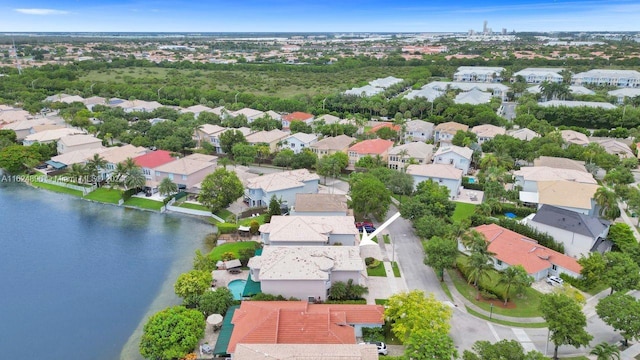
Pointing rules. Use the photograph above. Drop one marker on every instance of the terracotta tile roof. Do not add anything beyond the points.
(384, 125)
(298, 322)
(374, 146)
(297, 116)
(153, 159)
(515, 249)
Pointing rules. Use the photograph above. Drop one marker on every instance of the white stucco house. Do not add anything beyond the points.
(444, 175)
(296, 230)
(321, 205)
(410, 153)
(459, 157)
(299, 141)
(283, 185)
(579, 234)
(418, 130)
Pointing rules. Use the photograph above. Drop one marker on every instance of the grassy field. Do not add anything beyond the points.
(463, 211)
(525, 306)
(105, 195)
(377, 271)
(144, 203)
(56, 188)
(192, 206)
(261, 81)
(234, 247)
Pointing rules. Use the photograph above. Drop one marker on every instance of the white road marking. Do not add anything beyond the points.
(493, 331)
(524, 339)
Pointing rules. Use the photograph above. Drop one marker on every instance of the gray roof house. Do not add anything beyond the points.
(624, 93)
(283, 185)
(579, 233)
(473, 97)
(538, 75)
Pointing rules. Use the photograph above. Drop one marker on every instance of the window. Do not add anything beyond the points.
(554, 267)
(146, 171)
(170, 176)
(499, 262)
(184, 177)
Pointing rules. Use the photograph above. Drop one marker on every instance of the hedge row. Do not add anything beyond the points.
(226, 228)
(471, 186)
(126, 195)
(520, 211)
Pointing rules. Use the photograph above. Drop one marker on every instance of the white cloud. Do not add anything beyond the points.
(42, 11)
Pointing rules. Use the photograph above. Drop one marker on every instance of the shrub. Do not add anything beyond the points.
(126, 195)
(486, 287)
(253, 229)
(488, 295)
(372, 334)
(471, 186)
(368, 261)
(228, 256)
(520, 211)
(245, 255)
(226, 228)
(270, 297)
(374, 264)
(350, 302)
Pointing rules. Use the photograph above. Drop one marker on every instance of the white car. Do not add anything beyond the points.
(554, 280)
(382, 347)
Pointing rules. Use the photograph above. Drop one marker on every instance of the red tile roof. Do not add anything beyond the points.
(384, 125)
(298, 322)
(297, 116)
(374, 146)
(153, 159)
(515, 249)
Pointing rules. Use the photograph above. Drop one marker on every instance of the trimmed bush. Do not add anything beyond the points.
(520, 211)
(368, 261)
(471, 186)
(126, 195)
(370, 334)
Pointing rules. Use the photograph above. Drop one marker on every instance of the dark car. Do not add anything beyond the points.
(364, 223)
(368, 228)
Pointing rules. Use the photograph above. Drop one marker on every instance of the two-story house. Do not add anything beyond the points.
(296, 230)
(187, 171)
(296, 116)
(418, 130)
(410, 153)
(332, 145)
(274, 138)
(149, 162)
(299, 141)
(459, 157)
(478, 74)
(71, 143)
(487, 132)
(373, 148)
(444, 133)
(283, 185)
(444, 175)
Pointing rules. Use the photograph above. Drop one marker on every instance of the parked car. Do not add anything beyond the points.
(364, 223)
(382, 347)
(368, 228)
(554, 280)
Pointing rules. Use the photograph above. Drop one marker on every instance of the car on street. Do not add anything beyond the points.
(554, 280)
(368, 228)
(382, 347)
(360, 224)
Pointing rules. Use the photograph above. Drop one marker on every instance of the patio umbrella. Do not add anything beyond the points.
(214, 319)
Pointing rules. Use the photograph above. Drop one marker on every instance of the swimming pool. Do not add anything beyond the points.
(472, 180)
(237, 287)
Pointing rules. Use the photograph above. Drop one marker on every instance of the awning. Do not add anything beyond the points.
(56, 165)
(244, 228)
(251, 288)
(235, 263)
(224, 336)
(529, 197)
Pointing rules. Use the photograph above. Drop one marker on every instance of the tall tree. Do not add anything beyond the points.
(502, 350)
(219, 189)
(565, 320)
(369, 196)
(606, 351)
(440, 254)
(514, 277)
(229, 138)
(622, 273)
(621, 312)
(167, 187)
(192, 284)
(608, 203)
(135, 178)
(94, 166)
(244, 154)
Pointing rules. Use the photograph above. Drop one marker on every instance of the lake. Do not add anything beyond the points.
(77, 279)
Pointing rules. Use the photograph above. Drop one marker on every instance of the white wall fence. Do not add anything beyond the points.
(84, 190)
(170, 207)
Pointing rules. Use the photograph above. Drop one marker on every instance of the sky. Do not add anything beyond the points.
(317, 15)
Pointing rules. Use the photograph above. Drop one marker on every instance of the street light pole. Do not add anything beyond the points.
(491, 311)
(91, 88)
(162, 87)
(546, 348)
(236, 98)
(325, 99)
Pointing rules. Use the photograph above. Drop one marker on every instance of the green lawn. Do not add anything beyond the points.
(144, 203)
(505, 323)
(192, 206)
(377, 271)
(56, 188)
(105, 195)
(234, 247)
(525, 306)
(225, 214)
(396, 269)
(247, 221)
(386, 238)
(381, 301)
(446, 290)
(463, 211)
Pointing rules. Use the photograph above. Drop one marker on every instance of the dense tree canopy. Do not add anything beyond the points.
(172, 333)
(565, 320)
(219, 189)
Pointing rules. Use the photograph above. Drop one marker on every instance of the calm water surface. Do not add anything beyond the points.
(77, 278)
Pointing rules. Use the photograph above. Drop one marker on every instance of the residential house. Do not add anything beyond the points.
(149, 162)
(211, 134)
(478, 74)
(118, 154)
(623, 94)
(373, 148)
(11, 115)
(555, 193)
(283, 185)
(24, 128)
(273, 138)
(619, 78)
(75, 157)
(559, 163)
(308, 230)
(573, 137)
(428, 93)
(473, 97)
(296, 116)
(523, 134)
(299, 141)
(496, 89)
(321, 205)
(444, 175)
(250, 114)
(197, 109)
(511, 249)
(332, 145)
(187, 171)
(385, 83)
(528, 177)
(136, 105)
(364, 91)
(573, 89)
(487, 132)
(215, 136)
(410, 153)
(567, 103)
(444, 133)
(93, 101)
(306, 351)
(580, 234)
(279, 322)
(539, 75)
(328, 119)
(305, 272)
(274, 115)
(78, 142)
(374, 129)
(615, 147)
(49, 136)
(459, 157)
(418, 130)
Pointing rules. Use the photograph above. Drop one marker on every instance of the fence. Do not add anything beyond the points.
(189, 211)
(83, 189)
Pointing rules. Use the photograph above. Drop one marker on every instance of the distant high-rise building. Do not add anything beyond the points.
(471, 32)
(484, 27)
(504, 31)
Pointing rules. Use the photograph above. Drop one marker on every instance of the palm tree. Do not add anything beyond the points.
(134, 179)
(605, 351)
(118, 174)
(403, 153)
(76, 172)
(479, 267)
(512, 276)
(475, 242)
(608, 203)
(167, 187)
(94, 166)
